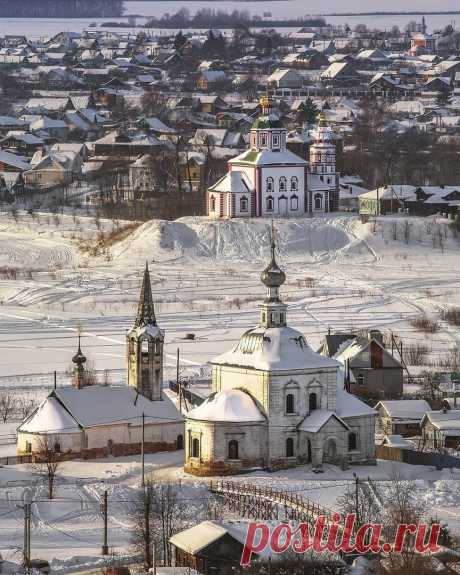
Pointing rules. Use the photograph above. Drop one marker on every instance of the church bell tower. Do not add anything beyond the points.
(144, 342)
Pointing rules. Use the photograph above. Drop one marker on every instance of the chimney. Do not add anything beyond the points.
(377, 335)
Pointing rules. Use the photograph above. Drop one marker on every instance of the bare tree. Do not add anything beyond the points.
(156, 515)
(142, 516)
(8, 405)
(26, 405)
(47, 461)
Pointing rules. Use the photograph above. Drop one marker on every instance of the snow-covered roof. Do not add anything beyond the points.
(233, 405)
(388, 192)
(235, 182)
(274, 349)
(14, 160)
(348, 405)
(268, 157)
(51, 416)
(317, 419)
(397, 441)
(98, 405)
(200, 536)
(156, 125)
(406, 409)
(448, 422)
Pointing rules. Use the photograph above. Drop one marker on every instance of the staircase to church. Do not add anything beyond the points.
(254, 502)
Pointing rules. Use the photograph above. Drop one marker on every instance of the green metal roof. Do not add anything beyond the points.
(267, 123)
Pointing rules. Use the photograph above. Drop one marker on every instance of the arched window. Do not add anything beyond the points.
(318, 202)
(294, 203)
(57, 447)
(263, 140)
(312, 401)
(289, 447)
(244, 204)
(270, 204)
(360, 379)
(196, 447)
(282, 186)
(276, 141)
(294, 184)
(233, 449)
(352, 441)
(212, 204)
(289, 403)
(269, 185)
(180, 442)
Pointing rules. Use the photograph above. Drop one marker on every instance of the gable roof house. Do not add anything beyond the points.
(8, 123)
(56, 129)
(12, 163)
(217, 137)
(288, 78)
(430, 200)
(210, 79)
(402, 417)
(340, 74)
(21, 142)
(371, 371)
(55, 168)
(441, 429)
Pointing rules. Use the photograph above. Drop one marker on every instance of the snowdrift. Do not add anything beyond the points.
(303, 238)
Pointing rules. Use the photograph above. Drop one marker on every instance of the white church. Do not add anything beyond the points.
(276, 403)
(90, 421)
(270, 180)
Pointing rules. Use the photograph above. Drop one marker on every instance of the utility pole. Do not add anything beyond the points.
(357, 497)
(143, 450)
(105, 547)
(178, 383)
(26, 552)
(55, 380)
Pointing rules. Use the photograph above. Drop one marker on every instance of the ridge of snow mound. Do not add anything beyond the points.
(313, 239)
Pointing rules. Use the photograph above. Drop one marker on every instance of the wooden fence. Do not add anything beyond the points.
(255, 502)
(16, 459)
(416, 457)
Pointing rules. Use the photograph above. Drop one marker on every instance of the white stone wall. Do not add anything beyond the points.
(288, 172)
(364, 426)
(214, 438)
(67, 441)
(255, 382)
(99, 437)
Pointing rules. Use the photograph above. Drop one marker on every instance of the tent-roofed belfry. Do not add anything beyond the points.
(101, 420)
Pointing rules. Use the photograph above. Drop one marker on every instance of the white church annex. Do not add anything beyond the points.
(101, 420)
(276, 403)
(270, 180)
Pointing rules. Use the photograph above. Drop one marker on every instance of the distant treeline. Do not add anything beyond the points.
(61, 8)
(209, 18)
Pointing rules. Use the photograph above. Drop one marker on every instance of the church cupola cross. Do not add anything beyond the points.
(273, 310)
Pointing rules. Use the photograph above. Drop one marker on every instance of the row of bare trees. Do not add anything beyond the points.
(14, 407)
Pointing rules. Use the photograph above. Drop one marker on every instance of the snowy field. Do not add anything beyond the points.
(205, 276)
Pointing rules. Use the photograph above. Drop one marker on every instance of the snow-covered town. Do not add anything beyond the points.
(229, 288)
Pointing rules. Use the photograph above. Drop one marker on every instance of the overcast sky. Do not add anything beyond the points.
(371, 5)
